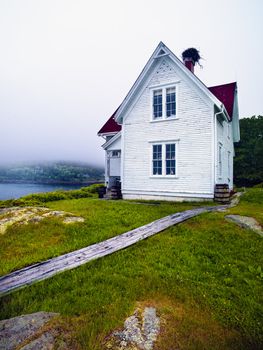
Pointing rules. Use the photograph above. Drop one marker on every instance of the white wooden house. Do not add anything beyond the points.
(172, 138)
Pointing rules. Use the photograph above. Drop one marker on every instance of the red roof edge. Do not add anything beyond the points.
(226, 94)
(110, 126)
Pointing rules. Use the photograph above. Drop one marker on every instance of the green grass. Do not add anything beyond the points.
(23, 245)
(251, 204)
(203, 276)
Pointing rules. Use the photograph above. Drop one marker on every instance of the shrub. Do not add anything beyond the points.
(40, 198)
(94, 188)
(258, 185)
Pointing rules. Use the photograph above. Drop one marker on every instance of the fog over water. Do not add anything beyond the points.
(66, 65)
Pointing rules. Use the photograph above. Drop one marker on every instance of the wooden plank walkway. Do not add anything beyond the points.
(48, 268)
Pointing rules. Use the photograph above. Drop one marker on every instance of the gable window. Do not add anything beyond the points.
(164, 159)
(164, 103)
(157, 104)
(170, 102)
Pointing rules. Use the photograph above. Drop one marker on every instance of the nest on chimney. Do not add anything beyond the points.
(192, 54)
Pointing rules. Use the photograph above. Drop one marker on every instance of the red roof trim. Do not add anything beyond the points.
(226, 94)
(110, 126)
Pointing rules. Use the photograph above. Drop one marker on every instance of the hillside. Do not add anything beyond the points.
(204, 276)
(51, 173)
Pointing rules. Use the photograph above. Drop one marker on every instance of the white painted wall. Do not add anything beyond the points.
(193, 130)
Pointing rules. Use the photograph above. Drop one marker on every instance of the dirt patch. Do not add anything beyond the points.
(25, 215)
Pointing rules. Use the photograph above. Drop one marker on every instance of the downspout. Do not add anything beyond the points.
(216, 144)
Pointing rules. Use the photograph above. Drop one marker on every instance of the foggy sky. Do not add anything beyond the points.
(66, 65)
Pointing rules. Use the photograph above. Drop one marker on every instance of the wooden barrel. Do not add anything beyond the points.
(222, 193)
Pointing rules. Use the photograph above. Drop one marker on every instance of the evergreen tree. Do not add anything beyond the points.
(248, 162)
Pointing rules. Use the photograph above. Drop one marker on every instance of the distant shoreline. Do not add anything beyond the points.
(52, 182)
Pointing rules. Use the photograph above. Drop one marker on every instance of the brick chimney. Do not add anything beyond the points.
(190, 57)
(189, 64)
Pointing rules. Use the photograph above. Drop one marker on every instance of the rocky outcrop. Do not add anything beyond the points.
(139, 333)
(246, 222)
(25, 215)
(25, 331)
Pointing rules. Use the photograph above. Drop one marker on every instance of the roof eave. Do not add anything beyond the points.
(225, 113)
(114, 138)
(107, 133)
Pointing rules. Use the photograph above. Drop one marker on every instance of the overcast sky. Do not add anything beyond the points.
(66, 65)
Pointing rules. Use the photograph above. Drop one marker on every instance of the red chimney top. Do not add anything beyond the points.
(189, 64)
(190, 57)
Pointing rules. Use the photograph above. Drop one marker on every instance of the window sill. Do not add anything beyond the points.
(163, 119)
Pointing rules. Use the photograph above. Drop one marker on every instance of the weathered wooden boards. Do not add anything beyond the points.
(46, 269)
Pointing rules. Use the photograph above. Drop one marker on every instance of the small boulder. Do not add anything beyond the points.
(17, 330)
(72, 219)
(246, 222)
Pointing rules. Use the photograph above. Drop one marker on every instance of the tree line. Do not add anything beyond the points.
(248, 161)
(58, 172)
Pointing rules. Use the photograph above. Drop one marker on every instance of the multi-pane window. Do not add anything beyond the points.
(157, 159)
(157, 104)
(164, 159)
(170, 102)
(164, 103)
(170, 159)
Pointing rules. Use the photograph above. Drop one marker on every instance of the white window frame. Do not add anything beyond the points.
(163, 144)
(163, 88)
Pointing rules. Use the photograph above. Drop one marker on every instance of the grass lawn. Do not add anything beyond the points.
(204, 276)
(24, 245)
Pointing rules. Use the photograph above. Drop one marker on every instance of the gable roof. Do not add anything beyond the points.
(225, 93)
(161, 51)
